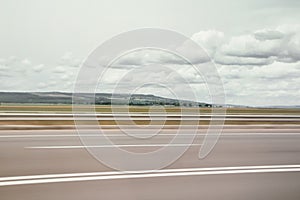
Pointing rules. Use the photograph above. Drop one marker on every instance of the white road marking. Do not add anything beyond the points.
(111, 146)
(144, 171)
(112, 175)
(166, 134)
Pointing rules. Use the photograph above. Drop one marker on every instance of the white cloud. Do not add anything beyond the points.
(258, 68)
(274, 84)
(268, 34)
(223, 59)
(68, 59)
(249, 46)
(261, 47)
(59, 69)
(210, 40)
(147, 57)
(26, 62)
(38, 68)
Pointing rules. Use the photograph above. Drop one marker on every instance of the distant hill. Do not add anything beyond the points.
(100, 99)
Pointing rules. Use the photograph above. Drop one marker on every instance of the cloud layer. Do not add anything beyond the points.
(261, 67)
(260, 47)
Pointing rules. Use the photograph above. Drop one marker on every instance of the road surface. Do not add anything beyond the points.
(248, 162)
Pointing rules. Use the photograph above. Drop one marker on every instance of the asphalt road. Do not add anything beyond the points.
(248, 162)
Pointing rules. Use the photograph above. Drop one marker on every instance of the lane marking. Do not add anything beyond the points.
(111, 146)
(159, 173)
(43, 176)
(123, 135)
(147, 119)
(184, 125)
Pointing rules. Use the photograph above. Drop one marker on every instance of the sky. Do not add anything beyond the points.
(254, 44)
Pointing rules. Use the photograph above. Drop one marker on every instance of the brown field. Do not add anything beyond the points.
(138, 109)
(143, 122)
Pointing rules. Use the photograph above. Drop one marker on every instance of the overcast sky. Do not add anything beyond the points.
(255, 44)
